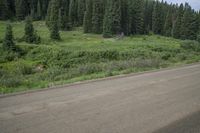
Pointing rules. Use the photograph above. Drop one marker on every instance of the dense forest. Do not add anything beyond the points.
(108, 17)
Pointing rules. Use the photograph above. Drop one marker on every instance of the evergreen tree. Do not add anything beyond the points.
(148, 10)
(186, 22)
(81, 10)
(20, 9)
(30, 34)
(97, 16)
(157, 19)
(168, 24)
(124, 20)
(3, 9)
(8, 43)
(112, 18)
(116, 16)
(11, 8)
(52, 20)
(63, 16)
(73, 16)
(54, 31)
(136, 17)
(178, 22)
(39, 11)
(87, 23)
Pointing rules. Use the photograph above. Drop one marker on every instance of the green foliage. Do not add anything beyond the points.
(73, 14)
(8, 43)
(10, 81)
(81, 9)
(157, 18)
(177, 25)
(198, 38)
(20, 7)
(97, 17)
(136, 21)
(191, 45)
(52, 20)
(3, 9)
(87, 22)
(30, 34)
(85, 56)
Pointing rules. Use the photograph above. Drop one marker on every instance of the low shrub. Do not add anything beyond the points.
(190, 45)
(8, 56)
(10, 81)
(23, 68)
(90, 68)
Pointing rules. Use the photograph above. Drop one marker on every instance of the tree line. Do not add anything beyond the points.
(108, 17)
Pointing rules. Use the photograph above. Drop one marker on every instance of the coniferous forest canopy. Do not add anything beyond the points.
(108, 17)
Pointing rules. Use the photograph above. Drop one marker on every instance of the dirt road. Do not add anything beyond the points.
(166, 101)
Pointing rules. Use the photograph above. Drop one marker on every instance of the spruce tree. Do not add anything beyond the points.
(107, 22)
(63, 16)
(55, 35)
(116, 16)
(52, 20)
(30, 34)
(168, 24)
(20, 9)
(97, 17)
(3, 9)
(187, 23)
(39, 11)
(124, 13)
(112, 18)
(8, 43)
(80, 12)
(157, 19)
(87, 22)
(139, 17)
(73, 14)
(177, 25)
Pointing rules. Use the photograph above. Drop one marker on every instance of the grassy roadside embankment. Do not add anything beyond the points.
(85, 56)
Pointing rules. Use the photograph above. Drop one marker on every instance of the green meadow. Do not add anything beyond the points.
(79, 57)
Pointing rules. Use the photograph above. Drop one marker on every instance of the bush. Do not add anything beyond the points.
(89, 69)
(10, 81)
(8, 56)
(190, 45)
(23, 68)
(198, 38)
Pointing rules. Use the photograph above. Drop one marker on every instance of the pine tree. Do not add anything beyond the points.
(30, 34)
(187, 22)
(63, 15)
(52, 19)
(11, 8)
(97, 16)
(107, 22)
(20, 9)
(168, 24)
(124, 13)
(178, 22)
(55, 31)
(112, 18)
(39, 11)
(80, 12)
(8, 43)
(116, 16)
(139, 16)
(87, 23)
(73, 16)
(3, 9)
(157, 19)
